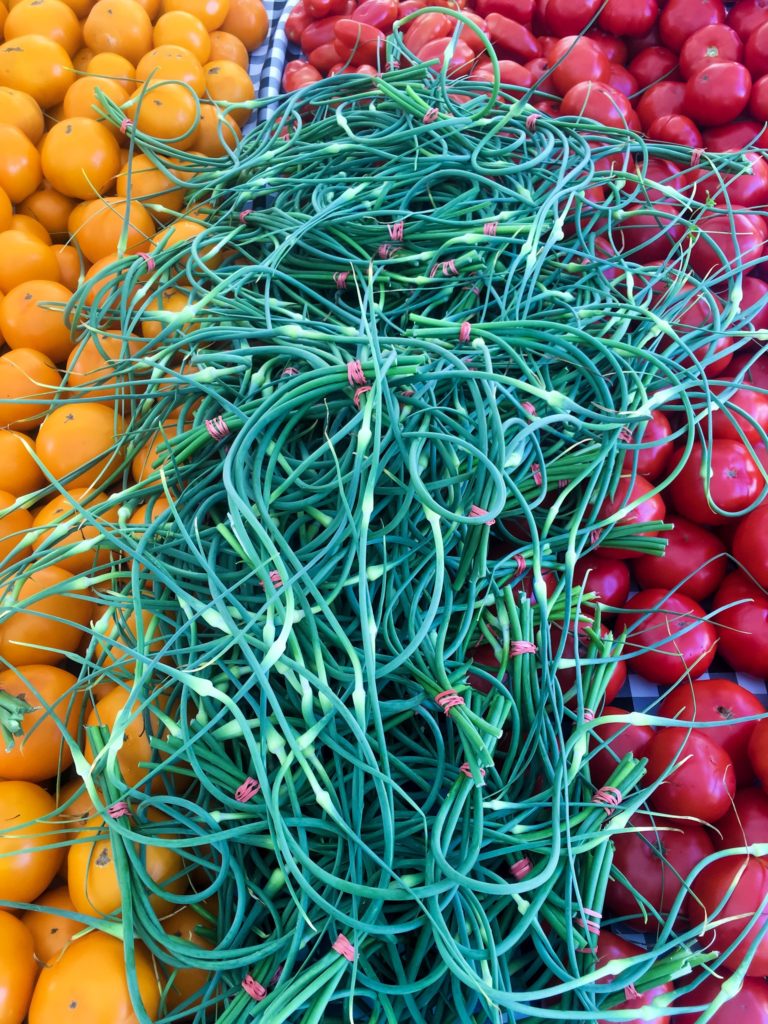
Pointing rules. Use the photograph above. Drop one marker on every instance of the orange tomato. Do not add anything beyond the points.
(18, 969)
(82, 101)
(24, 257)
(51, 930)
(21, 474)
(80, 7)
(62, 509)
(118, 26)
(88, 985)
(169, 301)
(48, 629)
(94, 884)
(171, 63)
(78, 443)
(168, 111)
(80, 157)
(41, 752)
(6, 209)
(21, 222)
(247, 19)
(211, 12)
(187, 983)
(107, 225)
(20, 172)
(136, 754)
(179, 28)
(70, 266)
(38, 66)
(91, 368)
(49, 18)
(28, 385)
(152, 7)
(72, 816)
(119, 637)
(29, 862)
(82, 58)
(228, 83)
(177, 233)
(148, 460)
(217, 133)
(149, 184)
(23, 112)
(32, 316)
(225, 46)
(113, 66)
(13, 526)
(49, 208)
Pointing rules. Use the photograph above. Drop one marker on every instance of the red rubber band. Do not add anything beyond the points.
(696, 155)
(610, 796)
(448, 699)
(359, 393)
(521, 868)
(595, 536)
(217, 428)
(253, 988)
(119, 810)
(275, 577)
(520, 563)
(591, 926)
(465, 331)
(125, 124)
(490, 228)
(289, 371)
(340, 279)
(431, 115)
(344, 947)
(630, 992)
(517, 647)
(396, 230)
(466, 770)
(355, 374)
(481, 513)
(247, 790)
(536, 471)
(385, 251)
(243, 215)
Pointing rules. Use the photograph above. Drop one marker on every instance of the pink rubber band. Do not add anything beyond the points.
(630, 992)
(517, 647)
(530, 122)
(396, 230)
(217, 428)
(466, 770)
(481, 513)
(125, 124)
(520, 563)
(253, 988)
(447, 268)
(589, 715)
(385, 251)
(119, 810)
(243, 216)
(592, 927)
(359, 393)
(344, 947)
(595, 536)
(696, 155)
(147, 259)
(536, 471)
(431, 115)
(490, 228)
(355, 374)
(340, 279)
(521, 868)
(448, 699)
(561, 484)
(392, 65)
(247, 790)
(529, 408)
(289, 371)
(465, 331)
(625, 435)
(407, 392)
(610, 796)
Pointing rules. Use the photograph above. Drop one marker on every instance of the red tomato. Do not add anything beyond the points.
(756, 51)
(747, 15)
(425, 28)
(470, 37)
(744, 365)
(621, 80)
(511, 40)
(745, 823)
(297, 21)
(748, 188)
(324, 57)
(654, 617)
(753, 298)
(717, 93)
(567, 676)
(742, 403)
(628, 17)
(677, 129)
(660, 99)
(484, 658)
(750, 1006)
(734, 484)
(601, 103)
(651, 461)
(574, 60)
(362, 43)
(648, 232)
(538, 69)
(379, 13)
(681, 18)
(710, 889)
(750, 544)
(743, 629)
(758, 752)
(518, 10)
(689, 310)
(611, 947)
(656, 861)
(735, 137)
(650, 509)
(707, 45)
(695, 562)
(614, 49)
(652, 65)
(608, 578)
(459, 61)
(718, 700)
(702, 784)
(569, 17)
(319, 33)
(297, 74)
(612, 742)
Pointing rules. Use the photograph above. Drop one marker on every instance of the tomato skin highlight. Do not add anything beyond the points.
(700, 787)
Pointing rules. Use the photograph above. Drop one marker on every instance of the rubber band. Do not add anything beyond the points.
(385, 251)
(518, 647)
(595, 535)
(289, 371)
(696, 155)
(247, 790)
(521, 868)
(610, 796)
(275, 577)
(520, 563)
(243, 215)
(589, 715)
(119, 810)
(340, 279)
(529, 408)
(490, 228)
(479, 513)
(343, 946)
(355, 374)
(392, 65)
(253, 988)
(466, 770)
(431, 115)
(593, 927)
(630, 992)
(530, 121)
(396, 230)
(447, 268)
(625, 435)
(125, 124)
(217, 428)
(561, 484)
(465, 331)
(536, 472)
(449, 699)
(359, 393)
(147, 259)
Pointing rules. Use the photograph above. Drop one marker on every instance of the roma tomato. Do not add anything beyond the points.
(297, 21)
(710, 44)
(734, 483)
(574, 60)
(718, 700)
(649, 508)
(612, 742)
(361, 43)
(758, 752)
(319, 32)
(656, 861)
(459, 61)
(607, 578)
(628, 17)
(677, 129)
(749, 877)
(425, 28)
(758, 99)
(655, 617)
(612, 947)
(702, 784)
(694, 561)
(750, 1005)
(519, 10)
(717, 93)
(750, 544)
(743, 629)
(745, 823)
(659, 100)
(653, 65)
(297, 74)
(681, 18)
(747, 15)
(655, 446)
(510, 40)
